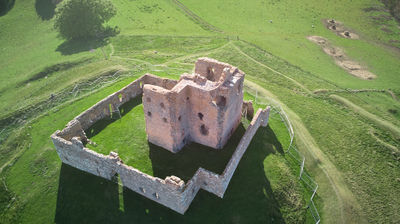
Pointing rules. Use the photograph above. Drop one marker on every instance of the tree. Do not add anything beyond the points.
(83, 19)
(5, 6)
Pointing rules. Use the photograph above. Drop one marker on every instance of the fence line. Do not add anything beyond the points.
(277, 112)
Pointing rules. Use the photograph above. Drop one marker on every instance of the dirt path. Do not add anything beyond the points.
(271, 69)
(372, 117)
(392, 148)
(339, 200)
(325, 91)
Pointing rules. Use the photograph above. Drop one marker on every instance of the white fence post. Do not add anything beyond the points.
(302, 167)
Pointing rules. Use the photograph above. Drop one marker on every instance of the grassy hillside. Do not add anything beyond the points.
(346, 127)
(29, 45)
(337, 135)
(292, 21)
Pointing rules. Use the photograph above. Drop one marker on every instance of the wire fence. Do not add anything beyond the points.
(294, 154)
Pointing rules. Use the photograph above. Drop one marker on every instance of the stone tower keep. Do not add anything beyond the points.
(203, 107)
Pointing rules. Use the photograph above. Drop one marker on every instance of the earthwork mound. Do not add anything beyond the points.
(341, 59)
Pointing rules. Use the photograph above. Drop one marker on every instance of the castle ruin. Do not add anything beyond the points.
(203, 107)
(215, 90)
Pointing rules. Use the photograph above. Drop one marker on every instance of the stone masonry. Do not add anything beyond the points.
(203, 107)
(171, 192)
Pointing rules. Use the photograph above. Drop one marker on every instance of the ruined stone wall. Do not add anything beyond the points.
(259, 119)
(165, 192)
(171, 192)
(74, 154)
(158, 81)
(110, 104)
(210, 68)
(217, 184)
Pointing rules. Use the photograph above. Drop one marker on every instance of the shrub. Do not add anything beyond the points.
(392, 111)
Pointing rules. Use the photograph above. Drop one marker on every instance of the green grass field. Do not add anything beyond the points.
(349, 137)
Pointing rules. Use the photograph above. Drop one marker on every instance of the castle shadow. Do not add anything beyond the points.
(185, 163)
(248, 199)
(86, 198)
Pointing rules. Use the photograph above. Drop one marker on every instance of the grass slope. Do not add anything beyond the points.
(351, 160)
(292, 22)
(29, 45)
(395, 130)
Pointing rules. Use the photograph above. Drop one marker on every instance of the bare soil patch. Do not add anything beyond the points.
(342, 60)
(338, 28)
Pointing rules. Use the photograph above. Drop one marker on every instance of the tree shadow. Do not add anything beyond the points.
(249, 198)
(73, 46)
(45, 9)
(70, 47)
(6, 6)
(50, 70)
